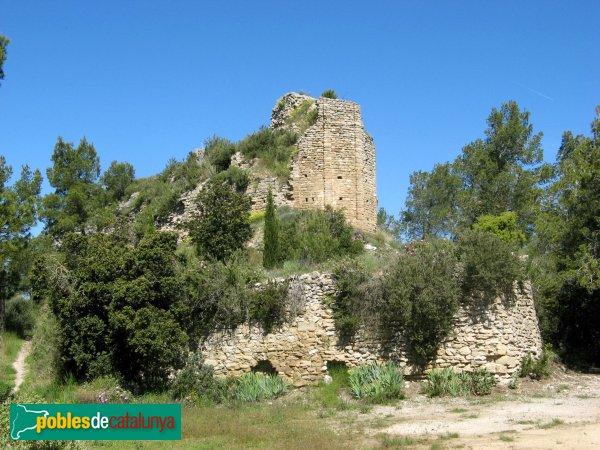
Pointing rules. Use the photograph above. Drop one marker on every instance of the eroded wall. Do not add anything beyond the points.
(495, 338)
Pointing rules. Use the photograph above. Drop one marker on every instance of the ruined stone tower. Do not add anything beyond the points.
(335, 163)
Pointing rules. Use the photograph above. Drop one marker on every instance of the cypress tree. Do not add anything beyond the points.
(271, 239)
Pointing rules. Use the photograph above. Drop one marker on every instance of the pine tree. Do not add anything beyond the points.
(271, 253)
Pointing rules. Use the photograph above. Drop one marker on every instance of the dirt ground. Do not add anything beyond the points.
(19, 364)
(562, 412)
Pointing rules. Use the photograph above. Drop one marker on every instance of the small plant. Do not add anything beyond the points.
(506, 438)
(329, 93)
(537, 369)
(254, 387)
(447, 382)
(377, 383)
(552, 423)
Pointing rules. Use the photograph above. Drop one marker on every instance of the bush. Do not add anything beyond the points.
(504, 226)
(19, 316)
(5, 390)
(196, 380)
(421, 295)
(219, 151)
(221, 226)
(268, 305)
(254, 387)
(274, 148)
(538, 368)
(329, 93)
(304, 116)
(237, 178)
(377, 383)
(491, 266)
(315, 236)
(447, 382)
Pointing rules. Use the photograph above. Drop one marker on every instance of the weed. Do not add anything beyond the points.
(377, 383)
(506, 438)
(449, 435)
(552, 423)
(254, 387)
(458, 410)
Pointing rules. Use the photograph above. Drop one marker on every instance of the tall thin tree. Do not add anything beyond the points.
(271, 252)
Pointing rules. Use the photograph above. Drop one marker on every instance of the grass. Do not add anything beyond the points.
(458, 410)
(388, 441)
(277, 426)
(329, 395)
(506, 438)
(10, 346)
(552, 423)
(449, 435)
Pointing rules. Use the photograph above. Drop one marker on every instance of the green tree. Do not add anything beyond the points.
(271, 235)
(501, 172)
(504, 226)
(4, 41)
(221, 225)
(569, 250)
(116, 179)
(431, 203)
(119, 308)
(73, 176)
(18, 213)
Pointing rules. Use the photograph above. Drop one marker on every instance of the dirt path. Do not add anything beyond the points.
(19, 364)
(561, 413)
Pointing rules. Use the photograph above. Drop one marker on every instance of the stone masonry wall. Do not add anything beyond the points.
(496, 339)
(335, 163)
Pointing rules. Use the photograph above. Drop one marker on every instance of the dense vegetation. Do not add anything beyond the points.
(129, 301)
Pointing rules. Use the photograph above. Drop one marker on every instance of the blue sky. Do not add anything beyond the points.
(149, 80)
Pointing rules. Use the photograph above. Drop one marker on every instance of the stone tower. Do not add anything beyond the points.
(335, 163)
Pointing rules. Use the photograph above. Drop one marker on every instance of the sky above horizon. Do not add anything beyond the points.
(146, 81)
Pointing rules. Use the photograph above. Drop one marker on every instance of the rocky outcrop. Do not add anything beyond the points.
(496, 338)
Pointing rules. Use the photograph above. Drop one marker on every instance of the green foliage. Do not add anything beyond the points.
(117, 178)
(196, 380)
(377, 383)
(502, 172)
(234, 176)
(538, 368)
(255, 387)
(4, 41)
(447, 382)
(77, 195)
(329, 395)
(119, 309)
(268, 305)
(568, 250)
(504, 226)
(221, 226)
(491, 265)
(387, 222)
(316, 236)
(304, 116)
(421, 295)
(274, 149)
(329, 93)
(219, 151)
(18, 213)
(271, 254)
(19, 316)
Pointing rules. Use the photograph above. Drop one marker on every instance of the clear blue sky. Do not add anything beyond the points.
(149, 80)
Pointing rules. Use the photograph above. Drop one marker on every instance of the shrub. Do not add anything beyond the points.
(274, 148)
(538, 368)
(491, 266)
(421, 294)
(219, 151)
(5, 390)
(221, 226)
(504, 226)
(304, 116)
(329, 93)
(19, 316)
(256, 216)
(268, 305)
(377, 383)
(314, 236)
(196, 380)
(447, 382)
(254, 387)
(237, 178)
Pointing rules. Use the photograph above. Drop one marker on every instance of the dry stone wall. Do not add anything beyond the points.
(335, 163)
(495, 338)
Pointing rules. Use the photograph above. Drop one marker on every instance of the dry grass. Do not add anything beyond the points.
(10, 344)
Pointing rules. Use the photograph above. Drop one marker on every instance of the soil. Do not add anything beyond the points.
(561, 412)
(19, 364)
